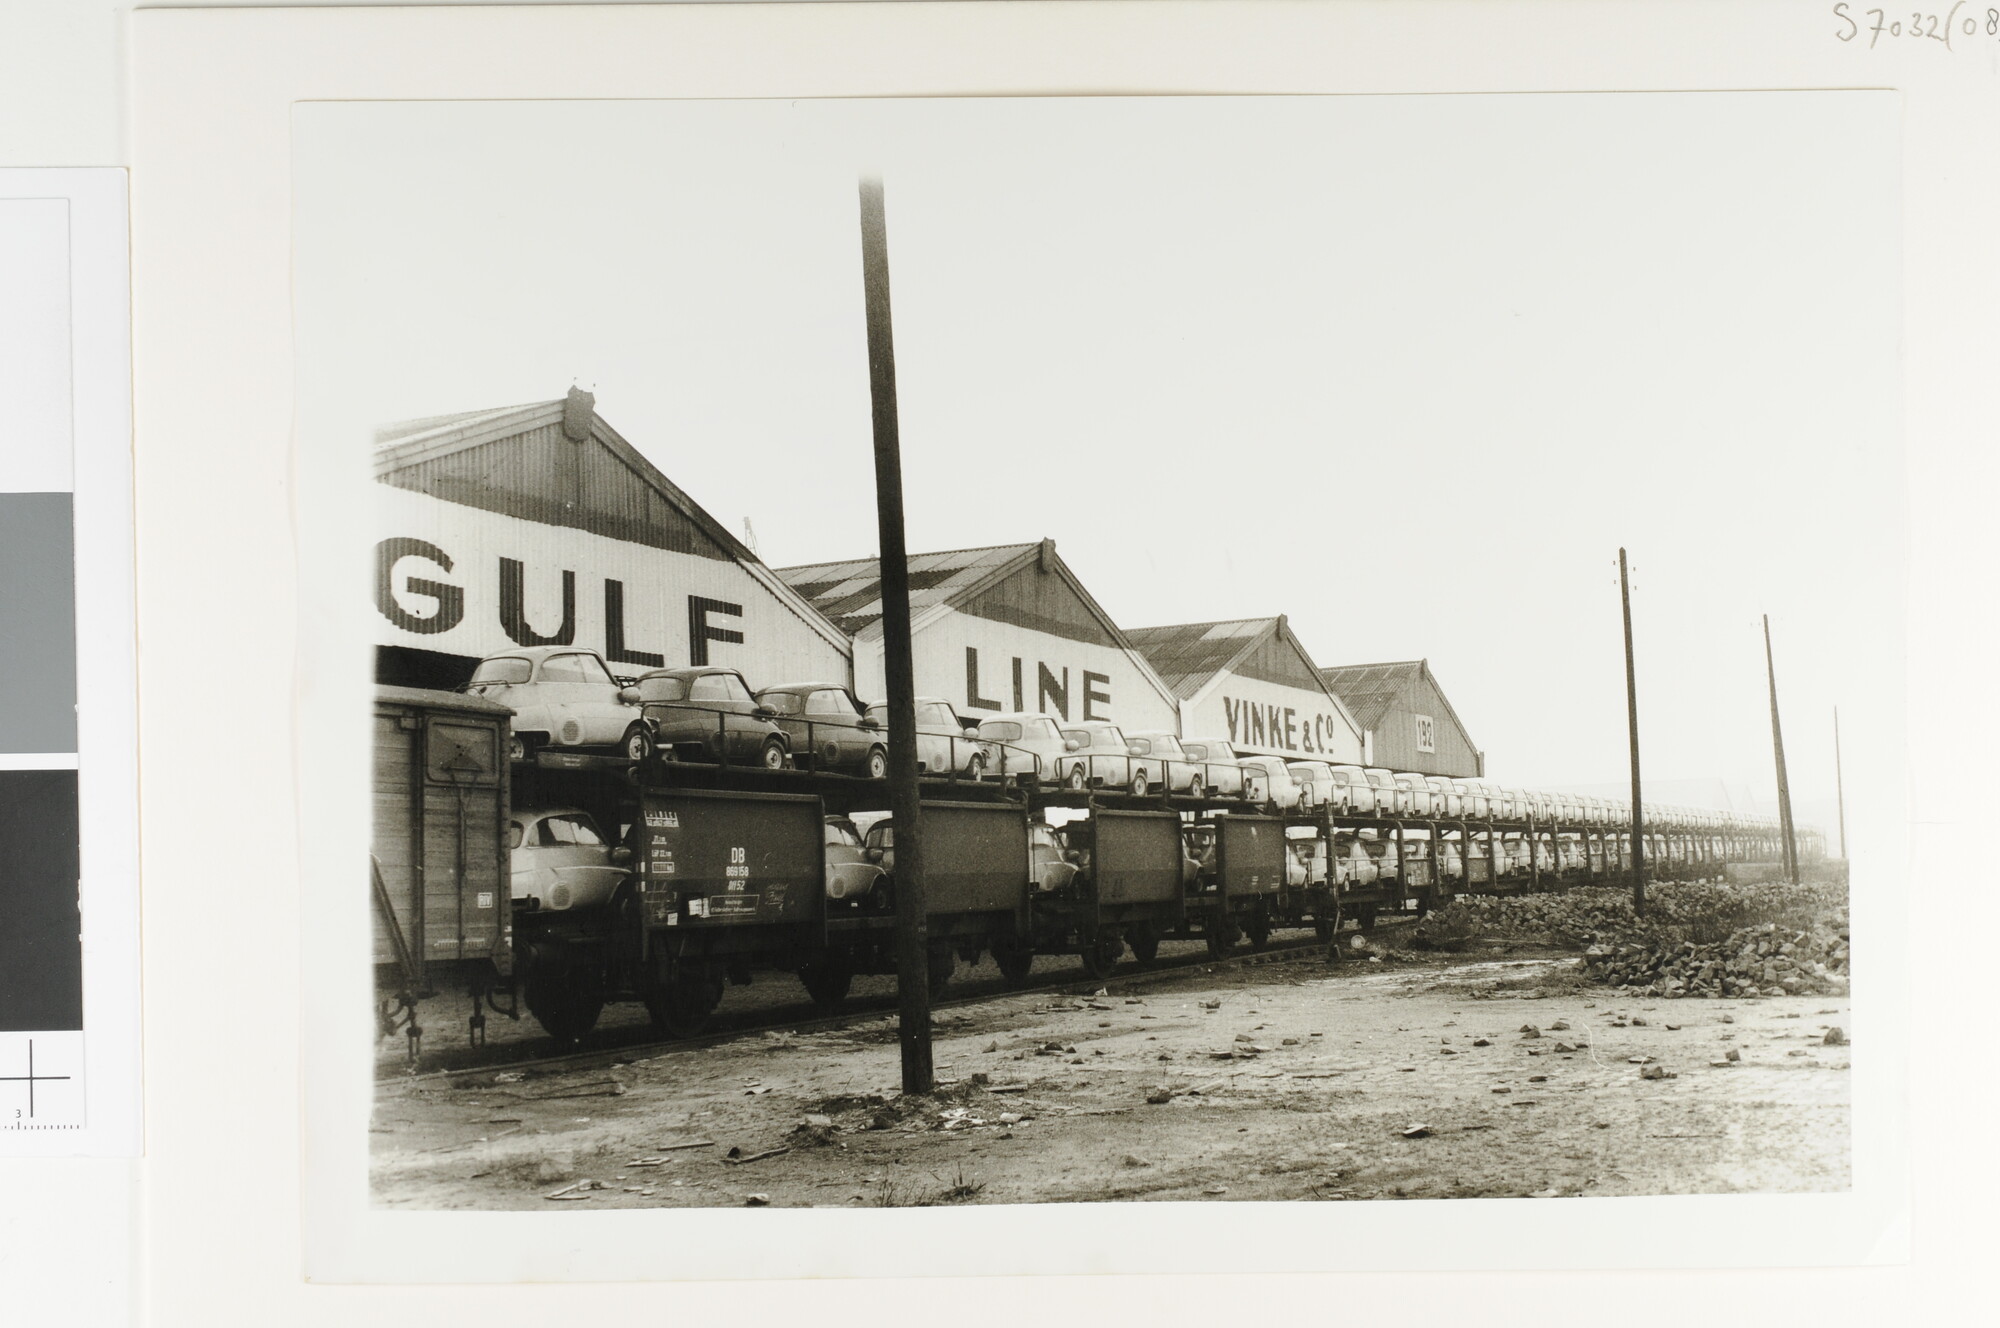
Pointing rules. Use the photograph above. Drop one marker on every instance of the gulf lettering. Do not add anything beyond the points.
(514, 612)
(450, 599)
(615, 649)
(700, 633)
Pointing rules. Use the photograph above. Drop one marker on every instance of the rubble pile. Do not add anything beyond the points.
(1765, 960)
(1697, 938)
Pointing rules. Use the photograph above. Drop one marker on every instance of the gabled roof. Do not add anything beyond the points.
(1188, 655)
(406, 455)
(850, 593)
(1370, 689)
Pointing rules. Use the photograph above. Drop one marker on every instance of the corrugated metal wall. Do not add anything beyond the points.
(1041, 601)
(1396, 735)
(542, 476)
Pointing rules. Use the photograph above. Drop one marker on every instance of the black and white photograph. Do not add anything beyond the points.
(962, 652)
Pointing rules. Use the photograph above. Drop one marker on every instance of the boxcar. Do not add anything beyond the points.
(439, 857)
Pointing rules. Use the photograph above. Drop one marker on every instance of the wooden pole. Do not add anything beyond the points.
(1839, 791)
(1790, 845)
(913, 997)
(1632, 727)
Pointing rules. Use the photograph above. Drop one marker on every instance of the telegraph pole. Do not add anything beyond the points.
(1632, 722)
(1778, 747)
(913, 996)
(1839, 793)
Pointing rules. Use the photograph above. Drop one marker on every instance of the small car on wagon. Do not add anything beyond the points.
(561, 696)
(704, 714)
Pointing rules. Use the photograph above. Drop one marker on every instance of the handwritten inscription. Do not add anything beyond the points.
(1949, 28)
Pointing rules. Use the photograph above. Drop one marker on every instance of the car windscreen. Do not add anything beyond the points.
(569, 831)
(663, 689)
(501, 670)
(831, 702)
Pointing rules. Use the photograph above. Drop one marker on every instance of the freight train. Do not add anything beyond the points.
(559, 878)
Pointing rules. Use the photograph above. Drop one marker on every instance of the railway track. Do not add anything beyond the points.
(623, 1045)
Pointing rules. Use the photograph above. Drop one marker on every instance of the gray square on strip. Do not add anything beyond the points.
(37, 624)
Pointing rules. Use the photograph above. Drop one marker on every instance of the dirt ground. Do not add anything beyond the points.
(1287, 1080)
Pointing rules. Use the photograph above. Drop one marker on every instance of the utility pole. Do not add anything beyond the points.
(1839, 792)
(1632, 722)
(913, 996)
(1778, 746)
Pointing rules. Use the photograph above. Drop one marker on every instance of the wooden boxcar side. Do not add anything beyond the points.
(440, 854)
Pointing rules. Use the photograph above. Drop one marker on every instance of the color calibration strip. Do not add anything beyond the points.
(69, 977)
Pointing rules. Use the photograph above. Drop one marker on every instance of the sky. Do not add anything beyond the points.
(1408, 369)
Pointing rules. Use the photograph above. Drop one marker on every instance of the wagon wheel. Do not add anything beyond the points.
(826, 982)
(1325, 925)
(1100, 953)
(1014, 960)
(1221, 935)
(1258, 928)
(1145, 943)
(566, 1005)
(682, 1008)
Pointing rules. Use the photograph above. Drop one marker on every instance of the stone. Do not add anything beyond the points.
(1835, 1037)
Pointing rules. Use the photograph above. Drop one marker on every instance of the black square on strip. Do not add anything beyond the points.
(41, 947)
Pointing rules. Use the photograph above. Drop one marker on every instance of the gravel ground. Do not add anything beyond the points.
(770, 997)
(1283, 1081)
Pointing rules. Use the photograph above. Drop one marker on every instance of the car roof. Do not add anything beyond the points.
(536, 813)
(1017, 716)
(803, 687)
(691, 671)
(540, 653)
(915, 700)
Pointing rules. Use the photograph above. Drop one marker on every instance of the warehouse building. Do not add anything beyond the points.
(1251, 682)
(998, 629)
(1409, 723)
(539, 525)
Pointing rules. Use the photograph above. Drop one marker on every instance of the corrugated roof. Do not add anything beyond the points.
(850, 592)
(406, 429)
(1186, 656)
(411, 444)
(1370, 689)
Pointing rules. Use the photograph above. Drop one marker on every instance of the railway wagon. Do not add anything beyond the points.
(726, 882)
(1244, 894)
(1129, 890)
(977, 886)
(438, 860)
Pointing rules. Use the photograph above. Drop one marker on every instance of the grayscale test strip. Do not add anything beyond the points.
(69, 952)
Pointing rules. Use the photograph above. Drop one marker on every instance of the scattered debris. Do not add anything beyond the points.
(737, 1157)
